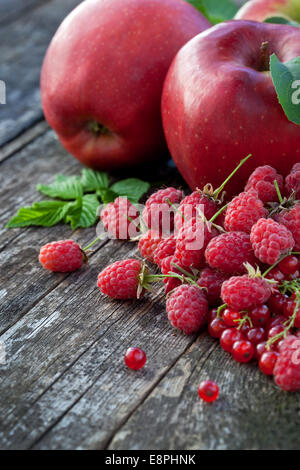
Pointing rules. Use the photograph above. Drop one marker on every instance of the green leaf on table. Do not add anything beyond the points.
(92, 180)
(44, 213)
(132, 188)
(106, 195)
(281, 20)
(63, 187)
(216, 11)
(84, 212)
(286, 79)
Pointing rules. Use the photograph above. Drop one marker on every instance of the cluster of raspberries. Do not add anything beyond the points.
(211, 260)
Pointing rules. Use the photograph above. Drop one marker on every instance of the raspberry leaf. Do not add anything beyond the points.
(63, 187)
(132, 188)
(286, 79)
(106, 195)
(84, 212)
(93, 180)
(44, 213)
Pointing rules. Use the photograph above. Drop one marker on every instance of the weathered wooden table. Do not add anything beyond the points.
(64, 385)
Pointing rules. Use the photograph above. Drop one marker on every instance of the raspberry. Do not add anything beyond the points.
(270, 240)
(291, 220)
(63, 256)
(208, 391)
(244, 292)
(148, 244)
(135, 358)
(243, 211)
(167, 267)
(164, 249)
(212, 281)
(292, 181)
(121, 219)
(189, 205)
(287, 367)
(229, 251)
(187, 308)
(191, 243)
(121, 280)
(262, 180)
(158, 209)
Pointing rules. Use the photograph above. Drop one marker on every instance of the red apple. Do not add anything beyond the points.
(259, 10)
(103, 75)
(219, 104)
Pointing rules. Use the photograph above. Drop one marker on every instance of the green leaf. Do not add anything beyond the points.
(216, 11)
(44, 213)
(84, 213)
(286, 79)
(92, 180)
(281, 20)
(133, 188)
(106, 195)
(64, 187)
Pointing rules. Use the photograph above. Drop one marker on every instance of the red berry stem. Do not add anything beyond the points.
(91, 244)
(220, 189)
(279, 261)
(220, 309)
(278, 191)
(294, 288)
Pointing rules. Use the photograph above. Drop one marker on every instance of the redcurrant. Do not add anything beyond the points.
(242, 351)
(135, 358)
(208, 391)
(267, 362)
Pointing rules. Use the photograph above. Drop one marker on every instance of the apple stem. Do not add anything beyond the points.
(220, 189)
(264, 57)
(98, 129)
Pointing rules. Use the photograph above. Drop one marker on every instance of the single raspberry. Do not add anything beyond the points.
(192, 241)
(164, 249)
(287, 367)
(244, 292)
(212, 281)
(122, 279)
(208, 391)
(262, 180)
(270, 240)
(63, 256)
(187, 308)
(291, 220)
(292, 181)
(243, 211)
(135, 358)
(191, 205)
(229, 251)
(121, 219)
(159, 211)
(148, 243)
(167, 267)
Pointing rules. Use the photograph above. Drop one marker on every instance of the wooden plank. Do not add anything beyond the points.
(65, 360)
(23, 44)
(251, 413)
(17, 144)
(11, 10)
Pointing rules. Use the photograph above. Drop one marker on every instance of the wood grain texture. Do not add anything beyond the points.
(251, 413)
(23, 44)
